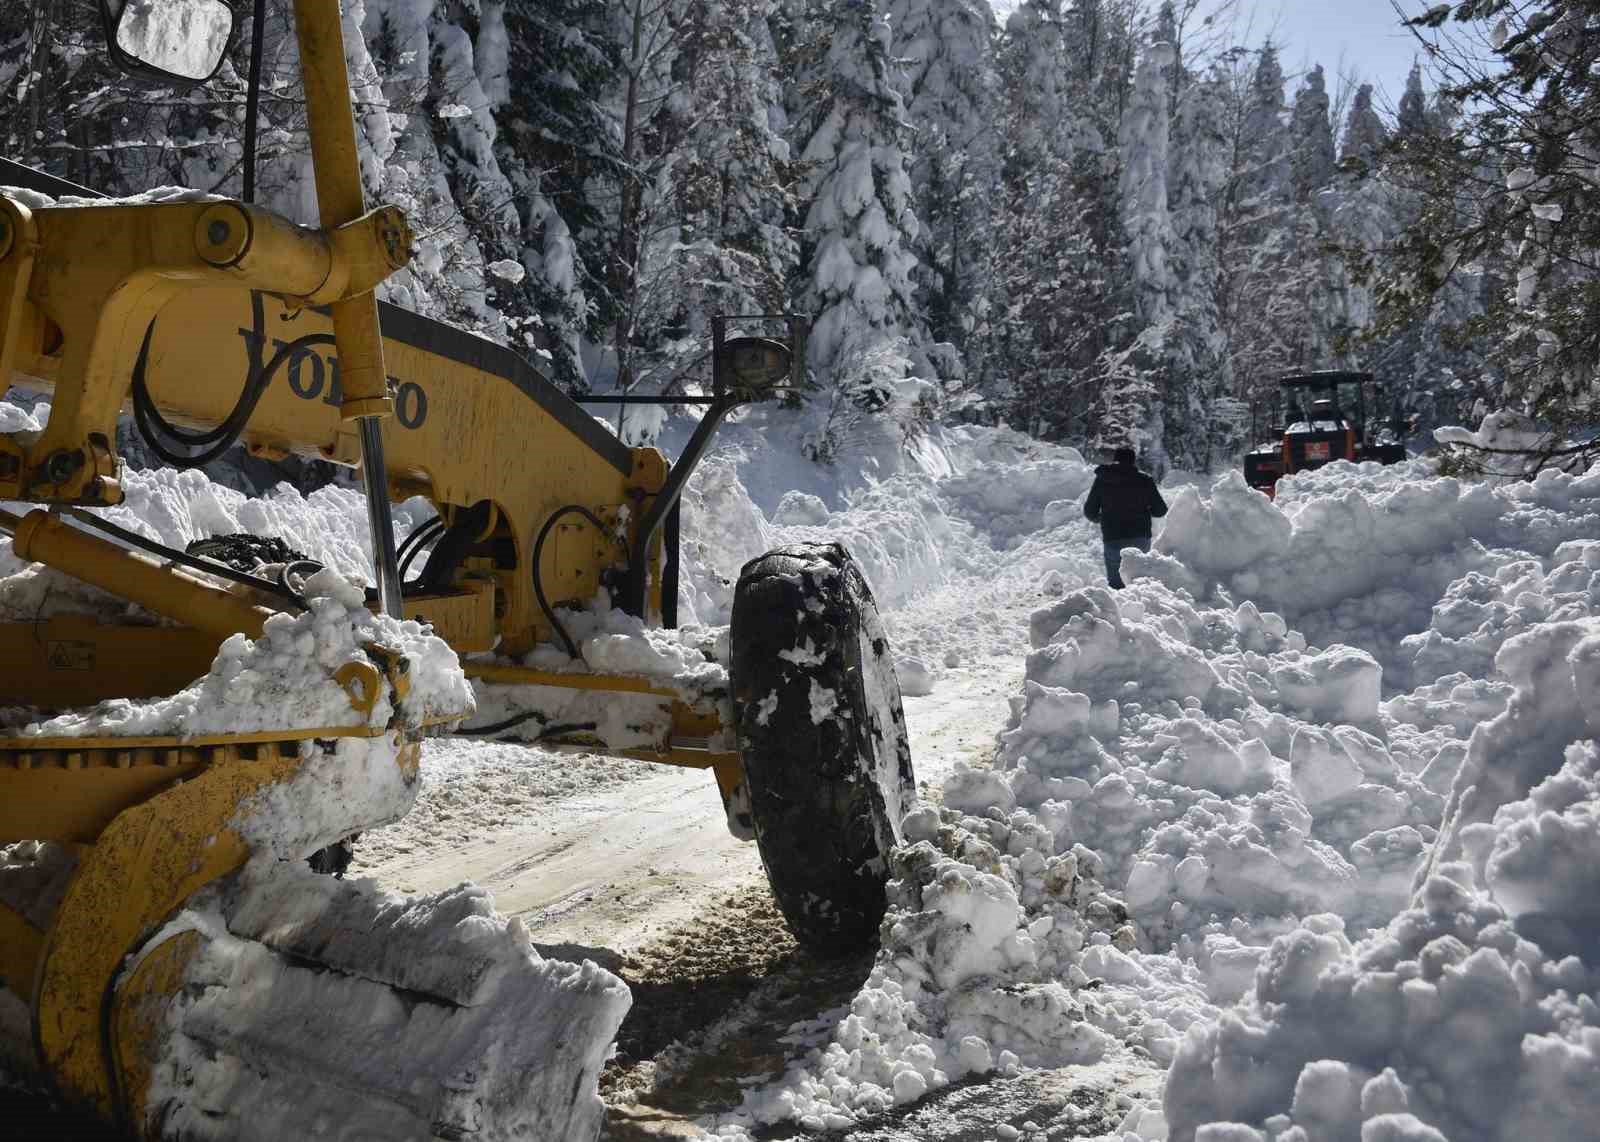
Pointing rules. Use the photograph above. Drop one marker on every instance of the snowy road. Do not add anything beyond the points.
(628, 863)
(636, 849)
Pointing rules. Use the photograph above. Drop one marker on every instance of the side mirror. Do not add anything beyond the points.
(183, 41)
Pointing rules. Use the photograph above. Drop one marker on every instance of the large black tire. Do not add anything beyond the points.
(823, 739)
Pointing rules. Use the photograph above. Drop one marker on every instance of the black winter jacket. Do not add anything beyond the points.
(1123, 501)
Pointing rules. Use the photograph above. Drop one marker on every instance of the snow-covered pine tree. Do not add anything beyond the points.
(1031, 81)
(1314, 169)
(1364, 132)
(429, 130)
(1413, 116)
(646, 32)
(1265, 178)
(1100, 41)
(1132, 400)
(1435, 362)
(1203, 416)
(1311, 155)
(859, 226)
(1144, 139)
(554, 141)
(1056, 301)
(947, 82)
(734, 181)
(1266, 277)
(1031, 230)
(1517, 169)
(717, 184)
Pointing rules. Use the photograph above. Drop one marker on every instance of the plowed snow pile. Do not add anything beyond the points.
(1310, 812)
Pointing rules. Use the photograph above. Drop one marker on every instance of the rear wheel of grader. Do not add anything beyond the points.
(823, 740)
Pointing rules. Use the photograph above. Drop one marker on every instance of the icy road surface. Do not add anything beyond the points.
(606, 854)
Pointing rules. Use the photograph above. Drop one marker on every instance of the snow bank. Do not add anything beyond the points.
(1365, 554)
(990, 934)
(897, 531)
(1031, 494)
(723, 530)
(1230, 778)
(980, 525)
(1473, 1013)
(1248, 803)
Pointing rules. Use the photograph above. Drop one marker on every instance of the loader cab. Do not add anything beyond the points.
(1326, 416)
(1314, 419)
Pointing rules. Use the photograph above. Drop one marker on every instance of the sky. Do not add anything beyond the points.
(1361, 36)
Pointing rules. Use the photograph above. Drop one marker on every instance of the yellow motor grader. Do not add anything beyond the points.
(173, 976)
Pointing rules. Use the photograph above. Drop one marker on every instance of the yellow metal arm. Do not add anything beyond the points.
(346, 261)
(168, 591)
(90, 279)
(340, 198)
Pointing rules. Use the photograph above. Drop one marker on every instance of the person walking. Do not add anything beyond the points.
(1123, 501)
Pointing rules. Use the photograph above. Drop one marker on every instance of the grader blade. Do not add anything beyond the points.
(195, 980)
(297, 1006)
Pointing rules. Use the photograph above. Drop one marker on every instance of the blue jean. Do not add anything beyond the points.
(1114, 557)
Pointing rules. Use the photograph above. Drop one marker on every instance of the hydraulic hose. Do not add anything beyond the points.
(210, 567)
(413, 544)
(546, 731)
(538, 582)
(152, 425)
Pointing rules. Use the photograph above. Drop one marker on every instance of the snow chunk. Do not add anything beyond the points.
(507, 270)
(285, 679)
(916, 677)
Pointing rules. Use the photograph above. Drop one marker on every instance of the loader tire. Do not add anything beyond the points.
(822, 737)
